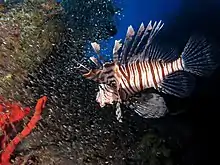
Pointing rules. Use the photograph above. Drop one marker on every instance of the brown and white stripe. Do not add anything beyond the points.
(105, 75)
(140, 75)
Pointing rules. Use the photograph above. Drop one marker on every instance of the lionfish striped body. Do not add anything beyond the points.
(140, 63)
(139, 75)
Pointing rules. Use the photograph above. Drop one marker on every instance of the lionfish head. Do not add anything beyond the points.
(105, 75)
(93, 74)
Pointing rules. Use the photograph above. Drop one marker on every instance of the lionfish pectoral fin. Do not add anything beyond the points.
(151, 105)
(179, 84)
(118, 112)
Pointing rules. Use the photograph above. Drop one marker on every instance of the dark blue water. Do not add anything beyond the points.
(137, 11)
(134, 12)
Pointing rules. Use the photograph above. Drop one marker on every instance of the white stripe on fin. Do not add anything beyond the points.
(134, 46)
(146, 32)
(96, 47)
(136, 40)
(95, 61)
(149, 26)
(125, 48)
(149, 34)
(155, 29)
(116, 48)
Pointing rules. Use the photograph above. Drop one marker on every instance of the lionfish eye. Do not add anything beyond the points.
(113, 83)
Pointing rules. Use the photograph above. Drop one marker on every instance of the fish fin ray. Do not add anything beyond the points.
(150, 105)
(136, 40)
(116, 49)
(155, 29)
(135, 44)
(158, 52)
(97, 49)
(179, 84)
(148, 37)
(197, 56)
(95, 61)
(126, 45)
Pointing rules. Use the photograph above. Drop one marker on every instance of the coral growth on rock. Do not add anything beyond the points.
(27, 35)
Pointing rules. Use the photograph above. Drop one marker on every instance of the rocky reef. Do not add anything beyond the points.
(27, 35)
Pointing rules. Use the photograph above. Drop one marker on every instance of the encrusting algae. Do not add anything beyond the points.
(28, 33)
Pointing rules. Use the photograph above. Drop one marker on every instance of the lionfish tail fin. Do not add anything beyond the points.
(197, 56)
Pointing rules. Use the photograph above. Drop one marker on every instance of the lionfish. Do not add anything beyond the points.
(139, 64)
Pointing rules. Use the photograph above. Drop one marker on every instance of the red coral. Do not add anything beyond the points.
(10, 114)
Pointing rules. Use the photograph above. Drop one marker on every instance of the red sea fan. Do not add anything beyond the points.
(11, 113)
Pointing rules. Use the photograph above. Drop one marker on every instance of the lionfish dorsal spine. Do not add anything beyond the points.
(136, 40)
(152, 31)
(135, 45)
(155, 29)
(125, 48)
(116, 48)
(96, 48)
(144, 34)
